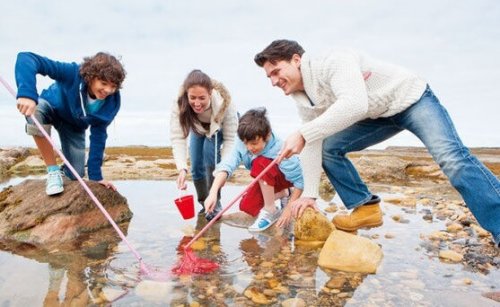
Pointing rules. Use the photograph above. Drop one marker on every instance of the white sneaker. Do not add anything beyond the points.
(54, 183)
(265, 220)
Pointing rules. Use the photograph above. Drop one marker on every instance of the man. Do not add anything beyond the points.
(349, 102)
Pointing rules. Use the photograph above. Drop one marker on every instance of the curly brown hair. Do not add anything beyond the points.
(103, 66)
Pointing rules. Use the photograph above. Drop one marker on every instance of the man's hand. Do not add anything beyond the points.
(107, 184)
(294, 144)
(26, 106)
(302, 204)
(181, 180)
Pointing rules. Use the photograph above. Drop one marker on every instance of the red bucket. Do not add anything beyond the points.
(185, 204)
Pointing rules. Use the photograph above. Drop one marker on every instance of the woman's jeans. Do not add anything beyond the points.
(202, 154)
(72, 140)
(430, 122)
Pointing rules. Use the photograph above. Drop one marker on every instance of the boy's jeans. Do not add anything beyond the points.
(72, 141)
(202, 154)
(430, 122)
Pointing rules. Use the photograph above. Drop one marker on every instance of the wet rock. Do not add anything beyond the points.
(293, 302)
(11, 156)
(28, 215)
(312, 226)
(346, 252)
(492, 295)
(154, 290)
(31, 165)
(450, 255)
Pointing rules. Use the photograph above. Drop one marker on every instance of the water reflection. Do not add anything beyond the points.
(72, 267)
(255, 269)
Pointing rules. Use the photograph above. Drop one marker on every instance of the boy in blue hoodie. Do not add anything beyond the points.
(256, 148)
(82, 96)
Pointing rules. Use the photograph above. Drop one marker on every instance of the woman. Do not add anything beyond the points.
(205, 113)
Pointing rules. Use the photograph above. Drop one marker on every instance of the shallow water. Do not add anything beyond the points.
(249, 264)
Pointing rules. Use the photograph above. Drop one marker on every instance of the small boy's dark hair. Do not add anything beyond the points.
(254, 123)
(103, 66)
(278, 50)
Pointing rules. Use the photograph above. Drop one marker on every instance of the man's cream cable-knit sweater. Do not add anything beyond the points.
(343, 88)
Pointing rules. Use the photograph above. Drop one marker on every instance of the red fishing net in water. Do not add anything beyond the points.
(190, 264)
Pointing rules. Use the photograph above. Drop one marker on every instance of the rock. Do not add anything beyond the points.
(451, 255)
(32, 164)
(11, 156)
(293, 302)
(312, 226)
(492, 295)
(154, 290)
(28, 215)
(346, 252)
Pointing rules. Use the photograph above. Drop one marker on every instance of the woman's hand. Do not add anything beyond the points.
(210, 202)
(181, 180)
(26, 106)
(108, 184)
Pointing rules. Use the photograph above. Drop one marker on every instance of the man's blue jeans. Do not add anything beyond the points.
(72, 140)
(430, 122)
(202, 154)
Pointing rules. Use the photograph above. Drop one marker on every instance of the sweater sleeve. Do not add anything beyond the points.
(98, 136)
(29, 64)
(229, 128)
(311, 168)
(231, 161)
(343, 75)
(178, 140)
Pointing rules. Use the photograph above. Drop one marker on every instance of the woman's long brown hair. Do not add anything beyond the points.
(187, 117)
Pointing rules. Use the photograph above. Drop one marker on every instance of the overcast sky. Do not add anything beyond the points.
(455, 45)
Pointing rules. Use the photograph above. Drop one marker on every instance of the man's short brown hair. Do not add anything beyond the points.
(278, 50)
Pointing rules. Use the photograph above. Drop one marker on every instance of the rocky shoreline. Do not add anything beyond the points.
(407, 172)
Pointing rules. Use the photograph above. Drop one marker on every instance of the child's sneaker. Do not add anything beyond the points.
(54, 183)
(265, 220)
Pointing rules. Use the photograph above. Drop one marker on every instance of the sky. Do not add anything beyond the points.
(454, 45)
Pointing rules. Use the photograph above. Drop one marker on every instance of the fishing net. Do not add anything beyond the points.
(191, 264)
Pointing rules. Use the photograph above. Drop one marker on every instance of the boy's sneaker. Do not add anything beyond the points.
(54, 183)
(265, 220)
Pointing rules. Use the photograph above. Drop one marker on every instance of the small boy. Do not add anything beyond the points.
(256, 148)
(81, 96)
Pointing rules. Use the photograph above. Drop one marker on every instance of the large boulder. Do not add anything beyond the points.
(312, 228)
(347, 252)
(28, 215)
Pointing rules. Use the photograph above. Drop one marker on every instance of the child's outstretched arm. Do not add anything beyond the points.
(219, 181)
(286, 215)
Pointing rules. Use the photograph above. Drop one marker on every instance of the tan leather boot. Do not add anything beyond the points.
(361, 217)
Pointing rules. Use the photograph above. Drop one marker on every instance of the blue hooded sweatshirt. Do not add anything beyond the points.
(65, 96)
(289, 167)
